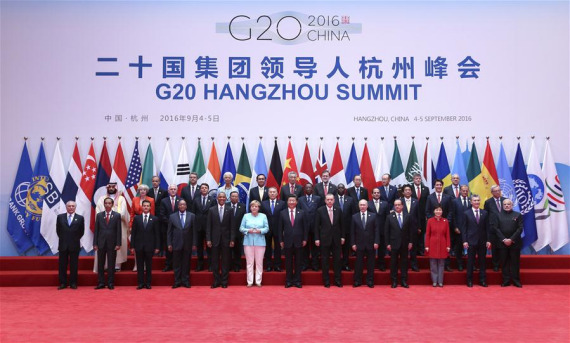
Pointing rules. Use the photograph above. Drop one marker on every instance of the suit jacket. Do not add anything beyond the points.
(187, 194)
(293, 235)
(272, 218)
(238, 216)
(414, 211)
(320, 191)
(145, 238)
(327, 232)
(162, 193)
(254, 194)
(491, 207)
(352, 193)
(424, 193)
(181, 235)
(473, 233)
(285, 191)
(450, 191)
(398, 237)
(446, 206)
(365, 237)
(391, 196)
(220, 232)
(107, 235)
(459, 211)
(508, 225)
(136, 208)
(347, 211)
(201, 212)
(69, 235)
(166, 210)
(384, 210)
(310, 208)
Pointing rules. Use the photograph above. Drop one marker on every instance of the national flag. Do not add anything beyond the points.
(260, 167)
(133, 175)
(413, 167)
(555, 198)
(166, 174)
(182, 168)
(382, 166)
(84, 196)
(466, 154)
(397, 168)
(290, 165)
(213, 172)
(366, 171)
(119, 173)
(352, 168)
(73, 178)
(275, 173)
(149, 168)
(53, 202)
(537, 186)
(459, 165)
(320, 164)
(199, 167)
(243, 176)
(104, 172)
(337, 168)
(442, 168)
(228, 165)
(17, 204)
(306, 172)
(40, 187)
(428, 170)
(505, 179)
(473, 170)
(487, 177)
(524, 196)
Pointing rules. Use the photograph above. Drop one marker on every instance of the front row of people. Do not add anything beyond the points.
(366, 228)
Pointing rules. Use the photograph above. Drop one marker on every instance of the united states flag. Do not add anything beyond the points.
(134, 175)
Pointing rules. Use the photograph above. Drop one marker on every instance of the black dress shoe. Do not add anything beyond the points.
(210, 269)
(268, 269)
(460, 268)
(415, 269)
(346, 269)
(448, 269)
(517, 284)
(304, 269)
(176, 285)
(405, 284)
(62, 286)
(111, 286)
(382, 268)
(277, 269)
(298, 285)
(166, 269)
(140, 287)
(148, 287)
(338, 284)
(224, 286)
(315, 269)
(186, 285)
(505, 284)
(495, 269)
(394, 284)
(99, 286)
(199, 269)
(327, 285)
(73, 286)
(469, 284)
(356, 284)
(483, 284)
(370, 284)
(215, 285)
(236, 269)
(288, 285)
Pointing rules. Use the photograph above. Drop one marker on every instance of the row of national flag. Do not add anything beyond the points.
(39, 194)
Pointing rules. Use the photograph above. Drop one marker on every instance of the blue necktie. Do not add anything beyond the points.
(69, 220)
(341, 202)
(400, 220)
(358, 193)
(272, 206)
(182, 219)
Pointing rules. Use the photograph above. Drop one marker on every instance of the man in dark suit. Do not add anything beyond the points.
(329, 236)
(325, 187)
(475, 236)
(238, 209)
(200, 207)
(508, 225)
(293, 232)
(399, 230)
(220, 236)
(192, 189)
(309, 204)
(156, 192)
(168, 205)
(380, 208)
(411, 208)
(446, 203)
(494, 206)
(69, 228)
(292, 187)
(459, 206)
(106, 242)
(181, 233)
(388, 192)
(365, 237)
(260, 192)
(272, 209)
(453, 190)
(420, 193)
(347, 207)
(145, 240)
(357, 192)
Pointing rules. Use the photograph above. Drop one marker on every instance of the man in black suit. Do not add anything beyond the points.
(388, 192)
(508, 225)
(293, 232)
(168, 205)
(347, 207)
(309, 204)
(145, 240)
(380, 208)
(446, 203)
(272, 209)
(325, 187)
(365, 237)
(292, 187)
(420, 193)
(180, 238)
(329, 236)
(459, 206)
(69, 228)
(191, 189)
(238, 209)
(494, 206)
(453, 190)
(411, 208)
(200, 207)
(475, 233)
(220, 236)
(156, 192)
(106, 242)
(357, 192)
(259, 192)
(399, 230)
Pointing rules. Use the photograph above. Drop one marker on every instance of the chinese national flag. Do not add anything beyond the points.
(290, 165)
(306, 174)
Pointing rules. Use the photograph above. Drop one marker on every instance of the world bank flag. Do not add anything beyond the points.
(524, 196)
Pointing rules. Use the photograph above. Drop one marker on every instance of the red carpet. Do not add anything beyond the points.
(276, 314)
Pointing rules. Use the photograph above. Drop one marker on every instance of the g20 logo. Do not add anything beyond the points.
(237, 26)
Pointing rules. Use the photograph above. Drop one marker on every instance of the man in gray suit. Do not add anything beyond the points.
(181, 231)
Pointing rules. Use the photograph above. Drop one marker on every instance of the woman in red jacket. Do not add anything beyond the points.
(437, 245)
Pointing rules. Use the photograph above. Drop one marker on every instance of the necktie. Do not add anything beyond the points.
(221, 213)
(107, 218)
(182, 219)
(419, 192)
(341, 202)
(358, 193)
(272, 206)
(155, 194)
(498, 205)
(325, 188)
(145, 221)
(292, 219)
(260, 193)
(203, 201)
(234, 209)
(477, 216)
(464, 202)
(408, 205)
(292, 189)
(331, 214)
(309, 199)
(193, 190)
(172, 203)
(377, 204)
(386, 190)
(69, 220)
(438, 198)
(400, 220)
(364, 220)
(456, 192)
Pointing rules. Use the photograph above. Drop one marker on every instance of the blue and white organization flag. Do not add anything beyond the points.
(542, 215)
(17, 204)
(506, 180)
(524, 196)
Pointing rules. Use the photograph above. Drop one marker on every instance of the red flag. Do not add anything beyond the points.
(290, 165)
(275, 170)
(102, 180)
(366, 171)
(337, 168)
(306, 173)
(119, 174)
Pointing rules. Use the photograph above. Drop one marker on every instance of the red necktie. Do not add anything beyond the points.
(292, 190)
(172, 202)
(331, 215)
(456, 193)
(325, 188)
(419, 195)
(107, 218)
(438, 198)
(292, 219)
